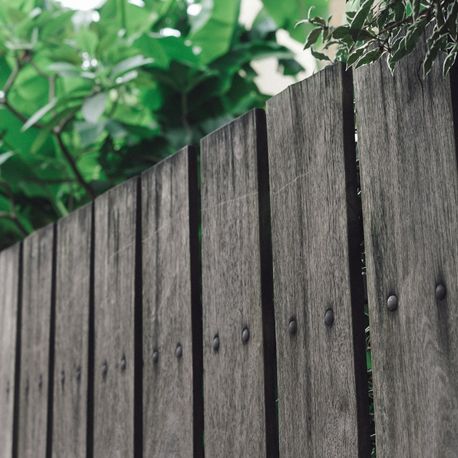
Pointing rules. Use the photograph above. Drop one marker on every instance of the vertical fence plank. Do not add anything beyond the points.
(234, 404)
(114, 302)
(410, 200)
(35, 344)
(9, 284)
(71, 337)
(167, 307)
(322, 388)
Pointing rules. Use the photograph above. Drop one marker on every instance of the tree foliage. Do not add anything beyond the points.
(391, 29)
(88, 99)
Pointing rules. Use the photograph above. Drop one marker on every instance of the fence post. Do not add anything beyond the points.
(318, 288)
(114, 321)
(71, 351)
(410, 200)
(172, 349)
(9, 314)
(35, 388)
(239, 351)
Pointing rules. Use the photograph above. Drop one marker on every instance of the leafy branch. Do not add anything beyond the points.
(390, 29)
(28, 122)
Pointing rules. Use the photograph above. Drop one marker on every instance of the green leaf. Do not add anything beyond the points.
(355, 55)
(361, 16)
(369, 57)
(5, 156)
(214, 36)
(94, 107)
(130, 64)
(312, 38)
(39, 114)
(341, 32)
(65, 69)
(450, 61)
(320, 56)
(289, 13)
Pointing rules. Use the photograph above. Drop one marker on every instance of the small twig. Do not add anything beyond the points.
(13, 218)
(71, 161)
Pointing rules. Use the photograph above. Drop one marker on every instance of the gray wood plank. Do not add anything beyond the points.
(9, 275)
(167, 306)
(114, 297)
(410, 201)
(322, 396)
(35, 343)
(234, 406)
(71, 334)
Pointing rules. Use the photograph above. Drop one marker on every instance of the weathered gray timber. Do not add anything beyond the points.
(118, 339)
(114, 296)
(234, 405)
(71, 335)
(410, 203)
(9, 275)
(317, 280)
(35, 344)
(167, 307)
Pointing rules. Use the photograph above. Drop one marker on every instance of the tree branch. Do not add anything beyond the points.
(13, 218)
(71, 161)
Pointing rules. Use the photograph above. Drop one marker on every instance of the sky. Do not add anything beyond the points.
(83, 5)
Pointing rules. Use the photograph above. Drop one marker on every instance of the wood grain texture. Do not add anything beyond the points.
(410, 202)
(322, 403)
(9, 283)
(234, 405)
(167, 306)
(114, 296)
(71, 336)
(35, 343)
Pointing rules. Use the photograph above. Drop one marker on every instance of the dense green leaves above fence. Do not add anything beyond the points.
(88, 99)
(390, 29)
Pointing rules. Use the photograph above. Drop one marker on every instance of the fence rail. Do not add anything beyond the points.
(217, 304)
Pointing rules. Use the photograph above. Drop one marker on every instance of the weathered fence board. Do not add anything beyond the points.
(314, 234)
(114, 298)
(410, 202)
(71, 335)
(9, 275)
(234, 405)
(35, 343)
(167, 217)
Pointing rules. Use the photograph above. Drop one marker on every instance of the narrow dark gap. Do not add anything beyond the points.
(196, 302)
(357, 273)
(454, 90)
(268, 313)
(52, 334)
(138, 329)
(91, 347)
(17, 359)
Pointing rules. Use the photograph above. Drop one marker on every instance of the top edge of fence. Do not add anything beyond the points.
(337, 66)
(238, 119)
(186, 150)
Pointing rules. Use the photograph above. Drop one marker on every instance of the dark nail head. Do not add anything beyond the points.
(245, 335)
(441, 292)
(329, 318)
(123, 363)
(179, 351)
(104, 369)
(292, 327)
(392, 303)
(215, 344)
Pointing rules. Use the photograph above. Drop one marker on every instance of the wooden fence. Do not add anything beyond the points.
(224, 313)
